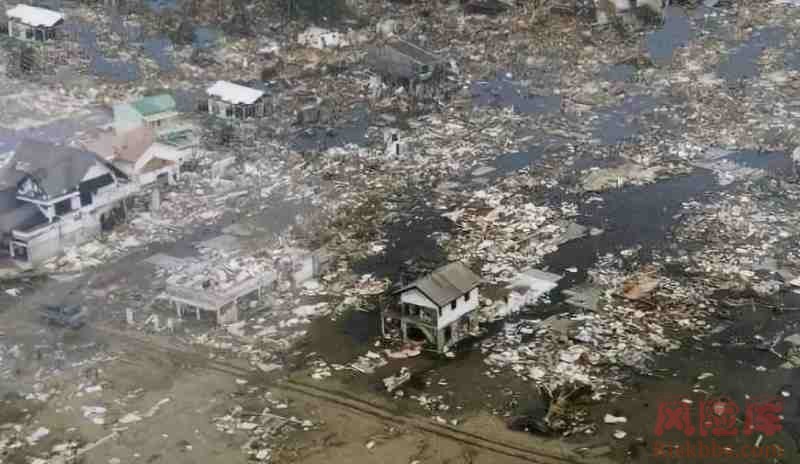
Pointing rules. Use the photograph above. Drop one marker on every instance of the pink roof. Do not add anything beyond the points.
(129, 146)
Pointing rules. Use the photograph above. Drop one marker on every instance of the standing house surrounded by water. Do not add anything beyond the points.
(440, 306)
(27, 22)
(233, 101)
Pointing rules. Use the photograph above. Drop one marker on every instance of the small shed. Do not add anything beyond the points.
(157, 112)
(234, 101)
(33, 23)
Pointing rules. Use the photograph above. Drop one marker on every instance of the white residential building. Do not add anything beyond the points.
(440, 307)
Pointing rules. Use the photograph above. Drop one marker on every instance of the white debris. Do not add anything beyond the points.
(611, 419)
(37, 435)
(129, 418)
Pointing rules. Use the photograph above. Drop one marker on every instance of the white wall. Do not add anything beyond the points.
(463, 306)
(449, 315)
(417, 298)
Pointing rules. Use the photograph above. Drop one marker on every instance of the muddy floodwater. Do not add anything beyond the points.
(622, 183)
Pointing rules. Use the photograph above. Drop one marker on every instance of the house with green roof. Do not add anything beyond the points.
(158, 112)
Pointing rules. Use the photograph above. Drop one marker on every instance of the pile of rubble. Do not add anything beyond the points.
(262, 428)
(743, 234)
(638, 318)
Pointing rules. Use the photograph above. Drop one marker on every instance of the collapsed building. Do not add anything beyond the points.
(440, 308)
(54, 196)
(399, 63)
(148, 140)
(630, 12)
(139, 155)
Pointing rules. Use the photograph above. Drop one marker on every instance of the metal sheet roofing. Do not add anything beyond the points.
(234, 93)
(445, 284)
(35, 16)
(414, 52)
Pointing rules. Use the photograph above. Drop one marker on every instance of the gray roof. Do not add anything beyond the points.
(399, 59)
(414, 52)
(21, 218)
(57, 169)
(445, 284)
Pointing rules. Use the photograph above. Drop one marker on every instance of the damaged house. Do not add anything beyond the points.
(440, 307)
(233, 101)
(403, 64)
(160, 114)
(54, 196)
(157, 112)
(33, 23)
(634, 13)
(138, 154)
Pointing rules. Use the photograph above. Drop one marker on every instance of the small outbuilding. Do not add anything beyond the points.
(158, 113)
(33, 23)
(233, 101)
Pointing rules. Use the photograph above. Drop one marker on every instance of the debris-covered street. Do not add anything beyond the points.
(476, 231)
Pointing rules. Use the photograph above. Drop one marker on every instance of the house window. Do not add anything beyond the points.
(63, 207)
(466, 297)
(29, 33)
(425, 69)
(453, 305)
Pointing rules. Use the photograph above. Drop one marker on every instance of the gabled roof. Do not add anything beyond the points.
(445, 284)
(414, 52)
(128, 146)
(57, 169)
(35, 16)
(23, 217)
(234, 93)
(155, 104)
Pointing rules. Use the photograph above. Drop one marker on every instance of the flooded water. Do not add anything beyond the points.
(620, 73)
(675, 32)
(631, 217)
(742, 63)
(409, 239)
(353, 131)
(504, 91)
(776, 163)
(622, 122)
(508, 163)
(734, 358)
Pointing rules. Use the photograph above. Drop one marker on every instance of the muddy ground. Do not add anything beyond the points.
(722, 75)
